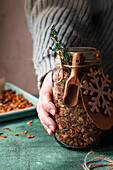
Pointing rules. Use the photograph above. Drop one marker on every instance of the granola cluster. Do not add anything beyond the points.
(10, 101)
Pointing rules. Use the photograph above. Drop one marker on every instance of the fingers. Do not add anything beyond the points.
(45, 106)
(45, 119)
(48, 104)
(50, 132)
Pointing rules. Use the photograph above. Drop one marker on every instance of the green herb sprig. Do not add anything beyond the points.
(59, 46)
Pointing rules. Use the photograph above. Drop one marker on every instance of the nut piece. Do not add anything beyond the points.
(16, 134)
(30, 123)
(7, 128)
(29, 136)
(24, 132)
(3, 136)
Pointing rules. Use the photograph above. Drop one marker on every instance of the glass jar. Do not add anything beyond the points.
(75, 128)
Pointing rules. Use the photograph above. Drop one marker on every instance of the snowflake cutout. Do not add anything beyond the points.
(98, 88)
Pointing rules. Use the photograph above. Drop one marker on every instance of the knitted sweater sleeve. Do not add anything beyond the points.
(41, 15)
(78, 23)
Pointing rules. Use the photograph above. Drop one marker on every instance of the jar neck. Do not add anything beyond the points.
(90, 55)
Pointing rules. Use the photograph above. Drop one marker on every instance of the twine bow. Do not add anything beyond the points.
(102, 157)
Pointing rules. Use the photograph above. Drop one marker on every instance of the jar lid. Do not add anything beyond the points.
(89, 53)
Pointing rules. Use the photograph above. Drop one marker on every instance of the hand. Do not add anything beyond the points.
(45, 106)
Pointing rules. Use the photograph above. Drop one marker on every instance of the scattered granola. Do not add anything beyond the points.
(16, 134)
(1, 133)
(30, 123)
(24, 132)
(7, 128)
(29, 136)
(3, 136)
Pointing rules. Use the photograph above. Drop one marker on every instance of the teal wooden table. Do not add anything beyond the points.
(42, 152)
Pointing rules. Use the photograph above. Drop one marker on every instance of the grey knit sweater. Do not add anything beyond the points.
(78, 22)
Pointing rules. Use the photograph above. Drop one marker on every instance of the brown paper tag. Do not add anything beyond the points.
(2, 83)
(96, 89)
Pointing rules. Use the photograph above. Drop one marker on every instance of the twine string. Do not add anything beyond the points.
(102, 157)
(79, 66)
(70, 66)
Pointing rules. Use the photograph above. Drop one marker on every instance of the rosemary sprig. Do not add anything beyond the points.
(59, 46)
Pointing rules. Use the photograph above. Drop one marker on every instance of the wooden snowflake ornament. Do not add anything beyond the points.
(100, 89)
(97, 98)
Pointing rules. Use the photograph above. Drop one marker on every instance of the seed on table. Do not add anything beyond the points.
(1, 133)
(30, 123)
(25, 132)
(29, 136)
(7, 128)
(16, 134)
(3, 136)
